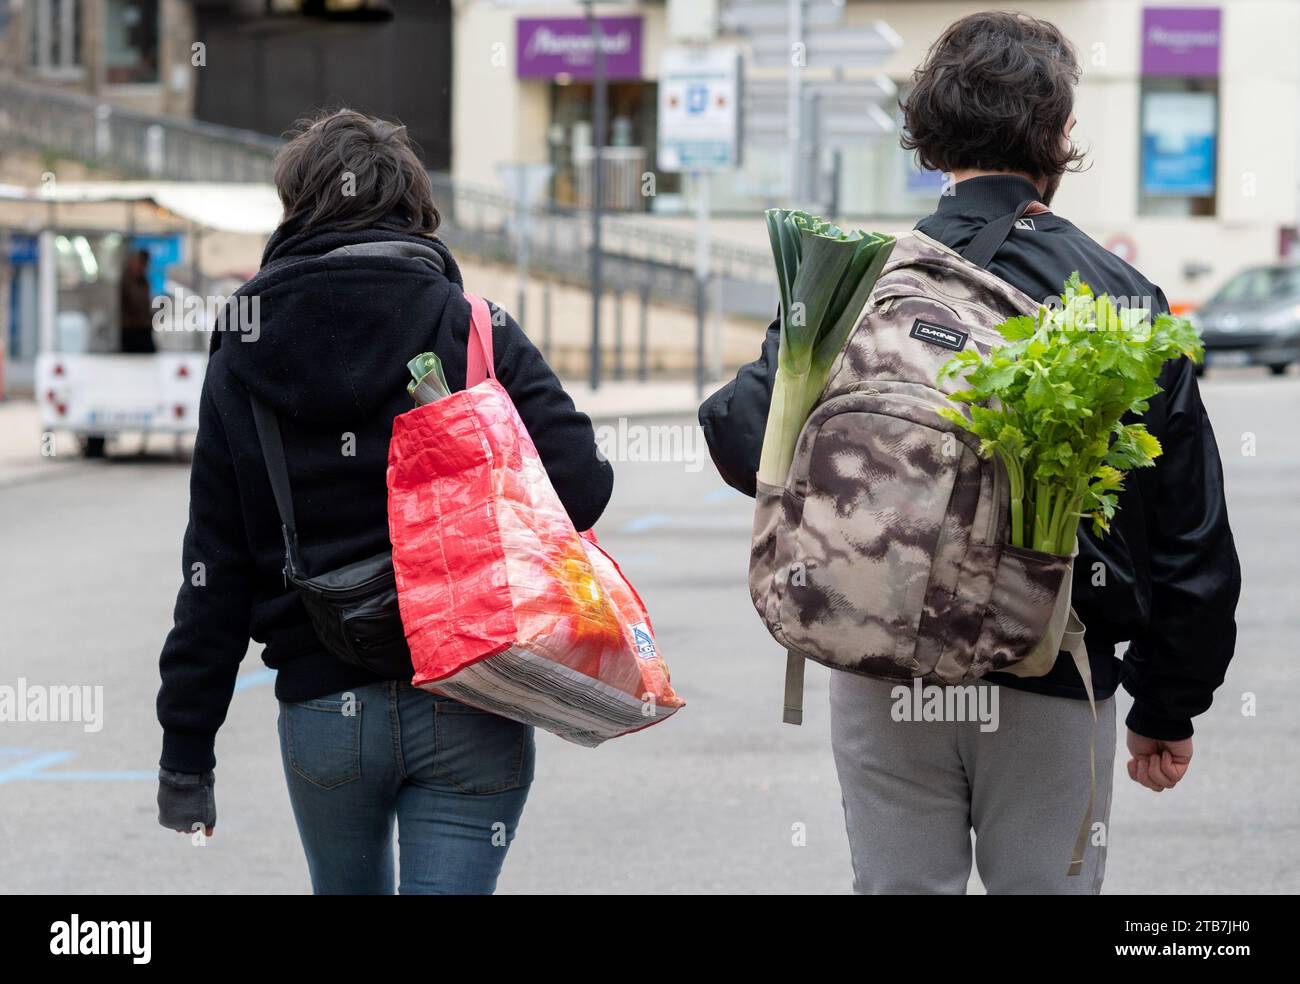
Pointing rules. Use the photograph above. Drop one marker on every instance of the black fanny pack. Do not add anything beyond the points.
(353, 609)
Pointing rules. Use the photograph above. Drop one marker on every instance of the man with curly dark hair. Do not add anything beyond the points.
(992, 106)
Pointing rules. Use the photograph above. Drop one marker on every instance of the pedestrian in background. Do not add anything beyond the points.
(135, 304)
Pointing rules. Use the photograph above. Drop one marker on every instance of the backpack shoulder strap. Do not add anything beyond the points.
(268, 435)
(479, 357)
(989, 240)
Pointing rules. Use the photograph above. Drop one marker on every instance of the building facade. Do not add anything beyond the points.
(132, 53)
(1189, 112)
(249, 64)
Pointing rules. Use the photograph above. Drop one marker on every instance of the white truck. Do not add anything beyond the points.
(81, 382)
(99, 396)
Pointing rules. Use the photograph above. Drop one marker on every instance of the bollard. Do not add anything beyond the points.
(546, 320)
(618, 335)
(643, 333)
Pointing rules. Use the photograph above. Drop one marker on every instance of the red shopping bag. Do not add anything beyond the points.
(506, 607)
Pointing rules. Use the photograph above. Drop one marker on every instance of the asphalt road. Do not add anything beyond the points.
(709, 801)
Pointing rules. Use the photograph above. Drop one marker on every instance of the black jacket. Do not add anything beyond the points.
(332, 340)
(1171, 577)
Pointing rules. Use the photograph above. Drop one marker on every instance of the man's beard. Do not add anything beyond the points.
(1049, 189)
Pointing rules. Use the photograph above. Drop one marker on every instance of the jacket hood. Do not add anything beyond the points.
(323, 332)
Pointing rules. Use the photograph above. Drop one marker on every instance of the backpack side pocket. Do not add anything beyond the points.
(1026, 589)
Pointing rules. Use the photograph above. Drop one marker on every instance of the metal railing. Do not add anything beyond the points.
(641, 255)
(131, 142)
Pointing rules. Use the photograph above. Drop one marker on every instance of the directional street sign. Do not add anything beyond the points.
(838, 112)
(751, 16)
(826, 47)
(804, 113)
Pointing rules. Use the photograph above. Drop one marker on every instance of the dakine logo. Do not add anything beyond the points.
(95, 939)
(949, 338)
(645, 643)
(1025, 224)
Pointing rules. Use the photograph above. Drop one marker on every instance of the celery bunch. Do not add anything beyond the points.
(825, 276)
(1049, 405)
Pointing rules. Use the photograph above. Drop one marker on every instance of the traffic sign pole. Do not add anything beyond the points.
(598, 113)
(702, 218)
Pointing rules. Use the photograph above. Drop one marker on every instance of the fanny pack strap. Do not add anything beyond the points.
(268, 435)
(479, 366)
(1072, 643)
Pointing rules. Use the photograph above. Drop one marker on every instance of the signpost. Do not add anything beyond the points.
(805, 114)
(525, 184)
(699, 132)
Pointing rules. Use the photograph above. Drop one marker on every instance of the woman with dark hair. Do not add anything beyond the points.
(353, 283)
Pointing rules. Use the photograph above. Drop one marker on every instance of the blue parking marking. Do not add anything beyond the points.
(25, 763)
(643, 524)
(31, 768)
(255, 679)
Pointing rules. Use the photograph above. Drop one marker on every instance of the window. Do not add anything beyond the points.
(1179, 146)
(56, 36)
(131, 41)
(1260, 284)
(629, 145)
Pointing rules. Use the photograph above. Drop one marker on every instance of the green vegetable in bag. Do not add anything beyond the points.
(825, 276)
(428, 382)
(1048, 404)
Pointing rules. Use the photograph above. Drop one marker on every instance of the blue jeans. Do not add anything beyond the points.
(454, 778)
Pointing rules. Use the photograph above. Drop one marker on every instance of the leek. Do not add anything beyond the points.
(428, 383)
(825, 276)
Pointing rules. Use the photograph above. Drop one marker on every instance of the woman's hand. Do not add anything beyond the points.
(187, 800)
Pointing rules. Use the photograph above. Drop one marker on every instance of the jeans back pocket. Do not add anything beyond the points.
(323, 740)
(478, 752)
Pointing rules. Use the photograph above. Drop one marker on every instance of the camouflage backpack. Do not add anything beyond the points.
(885, 552)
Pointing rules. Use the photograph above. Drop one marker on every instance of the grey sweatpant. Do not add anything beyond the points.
(913, 791)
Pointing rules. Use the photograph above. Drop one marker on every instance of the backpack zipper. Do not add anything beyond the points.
(985, 336)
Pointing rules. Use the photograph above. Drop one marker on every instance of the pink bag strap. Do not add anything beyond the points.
(479, 358)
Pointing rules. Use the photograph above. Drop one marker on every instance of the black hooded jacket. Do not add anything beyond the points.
(1166, 578)
(338, 316)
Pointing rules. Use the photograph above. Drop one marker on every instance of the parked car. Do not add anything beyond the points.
(1254, 319)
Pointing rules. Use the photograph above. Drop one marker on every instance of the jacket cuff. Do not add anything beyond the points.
(188, 751)
(1148, 723)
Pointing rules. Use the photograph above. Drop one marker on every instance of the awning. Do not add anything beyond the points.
(243, 208)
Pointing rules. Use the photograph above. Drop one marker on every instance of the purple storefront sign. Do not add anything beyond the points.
(1180, 41)
(549, 46)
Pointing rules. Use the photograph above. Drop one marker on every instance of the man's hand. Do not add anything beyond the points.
(1158, 765)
